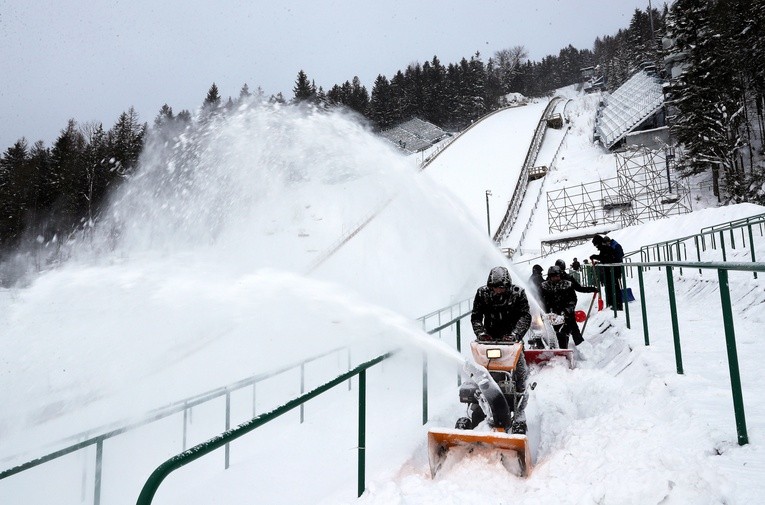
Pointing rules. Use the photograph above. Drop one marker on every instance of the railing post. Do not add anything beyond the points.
(228, 426)
(424, 388)
(730, 344)
(673, 314)
(642, 305)
(685, 256)
(185, 426)
(350, 381)
(722, 245)
(99, 464)
(614, 288)
(751, 247)
(362, 431)
(625, 300)
(302, 390)
(84, 479)
(254, 398)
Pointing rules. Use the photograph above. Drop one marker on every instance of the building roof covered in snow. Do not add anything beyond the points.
(414, 135)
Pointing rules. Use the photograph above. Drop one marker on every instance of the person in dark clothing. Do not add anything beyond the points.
(617, 248)
(560, 298)
(535, 282)
(568, 277)
(501, 313)
(575, 266)
(500, 309)
(609, 252)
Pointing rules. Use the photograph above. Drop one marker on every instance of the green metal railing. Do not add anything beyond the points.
(196, 452)
(442, 318)
(722, 268)
(677, 249)
(432, 323)
(98, 436)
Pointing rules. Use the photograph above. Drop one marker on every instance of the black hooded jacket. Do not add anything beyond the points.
(497, 315)
(559, 297)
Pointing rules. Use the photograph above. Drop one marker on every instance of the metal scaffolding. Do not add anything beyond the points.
(645, 189)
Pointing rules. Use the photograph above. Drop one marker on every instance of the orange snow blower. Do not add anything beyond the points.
(495, 418)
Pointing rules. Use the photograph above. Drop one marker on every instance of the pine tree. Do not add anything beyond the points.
(380, 104)
(212, 100)
(13, 186)
(709, 93)
(126, 141)
(304, 90)
(96, 164)
(68, 181)
(434, 86)
(164, 117)
(277, 98)
(244, 93)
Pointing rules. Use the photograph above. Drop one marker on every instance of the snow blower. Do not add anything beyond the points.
(543, 341)
(493, 403)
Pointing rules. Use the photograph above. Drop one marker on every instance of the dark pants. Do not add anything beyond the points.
(611, 277)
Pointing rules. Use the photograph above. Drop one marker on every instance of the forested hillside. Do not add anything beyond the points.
(715, 111)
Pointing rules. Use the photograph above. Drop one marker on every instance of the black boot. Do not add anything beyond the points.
(464, 423)
(518, 428)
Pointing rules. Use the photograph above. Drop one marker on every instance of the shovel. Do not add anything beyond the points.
(592, 302)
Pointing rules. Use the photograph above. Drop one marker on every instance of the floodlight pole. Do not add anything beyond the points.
(668, 155)
(488, 221)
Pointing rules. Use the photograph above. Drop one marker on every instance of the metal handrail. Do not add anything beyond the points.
(111, 430)
(727, 315)
(180, 406)
(200, 450)
(196, 452)
(666, 250)
(97, 436)
(744, 220)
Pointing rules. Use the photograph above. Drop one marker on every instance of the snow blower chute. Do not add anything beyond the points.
(495, 408)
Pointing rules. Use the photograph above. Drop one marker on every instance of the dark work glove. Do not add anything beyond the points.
(592, 289)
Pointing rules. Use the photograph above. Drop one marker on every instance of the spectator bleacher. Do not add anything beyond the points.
(414, 135)
(628, 107)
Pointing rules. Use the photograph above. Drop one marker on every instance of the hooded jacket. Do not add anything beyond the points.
(559, 297)
(497, 315)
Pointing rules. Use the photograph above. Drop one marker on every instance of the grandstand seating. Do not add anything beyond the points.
(628, 107)
(414, 135)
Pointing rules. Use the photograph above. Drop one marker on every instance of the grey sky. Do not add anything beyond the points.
(92, 60)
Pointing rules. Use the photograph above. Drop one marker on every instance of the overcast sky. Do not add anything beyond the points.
(93, 60)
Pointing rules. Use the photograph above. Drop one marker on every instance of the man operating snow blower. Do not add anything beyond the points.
(495, 389)
(501, 314)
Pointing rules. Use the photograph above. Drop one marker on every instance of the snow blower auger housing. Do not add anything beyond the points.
(543, 341)
(494, 408)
